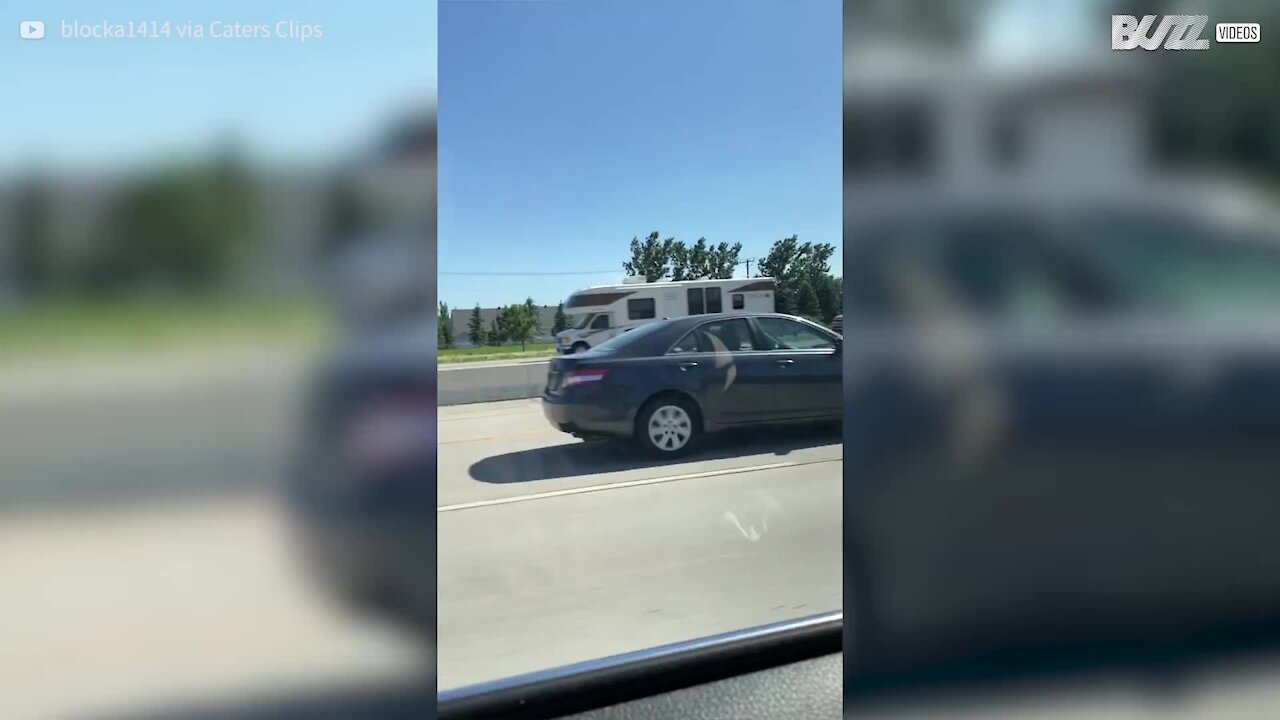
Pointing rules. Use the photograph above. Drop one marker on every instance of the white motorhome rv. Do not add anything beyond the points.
(599, 313)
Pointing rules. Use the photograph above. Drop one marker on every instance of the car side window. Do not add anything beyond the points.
(600, 323)
(1187, 268)
(1000, 268)
(783, 334)
(727, 336)
(990, 264)
(686, 344)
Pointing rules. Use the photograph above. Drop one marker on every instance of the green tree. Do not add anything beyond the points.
(444, 327)
(561, 322)
(495, 336)
(534, 312)
(475, 327)
(519, 323)
(185, 227)
(830, 298)
(722, 260)
(793, 264)
(347, 213)
(502, 324)
(935, 23)
(690, 262)
(781, 265)
(33, 261)
(650, 259)
(700, 260)
(807, 305)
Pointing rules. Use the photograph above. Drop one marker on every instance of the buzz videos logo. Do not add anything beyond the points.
(1176, 32)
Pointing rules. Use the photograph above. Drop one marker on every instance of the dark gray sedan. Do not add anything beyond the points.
(668, 383)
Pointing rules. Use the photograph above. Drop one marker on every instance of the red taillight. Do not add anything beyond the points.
(584, 377)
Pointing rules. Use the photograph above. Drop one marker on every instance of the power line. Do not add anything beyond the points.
(526, 274)
(485, 273)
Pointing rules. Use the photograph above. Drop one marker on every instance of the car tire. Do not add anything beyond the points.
(579, 348)
(668, 427)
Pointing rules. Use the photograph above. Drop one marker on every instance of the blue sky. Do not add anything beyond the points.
(95, 103)
(569, 126)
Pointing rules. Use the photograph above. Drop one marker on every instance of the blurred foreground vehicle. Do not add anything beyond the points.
(1062, 428)
(364, 487)
(665, 384)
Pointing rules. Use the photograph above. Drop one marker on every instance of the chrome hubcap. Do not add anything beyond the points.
(670, 428)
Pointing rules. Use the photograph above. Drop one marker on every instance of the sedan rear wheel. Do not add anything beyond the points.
(667, 427)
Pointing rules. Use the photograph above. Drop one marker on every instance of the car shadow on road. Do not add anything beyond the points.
(598, 456)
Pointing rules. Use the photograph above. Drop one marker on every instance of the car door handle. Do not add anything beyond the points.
(787, 362)
(688, 365)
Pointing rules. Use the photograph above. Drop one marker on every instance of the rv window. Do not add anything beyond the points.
(713, 300)
(695, 301)
(600, 323)
(642, 309)
(739, 301)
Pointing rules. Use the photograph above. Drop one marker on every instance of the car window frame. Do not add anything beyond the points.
(752, 330)
(760, 340)
(1075, 278)
(1198, 231)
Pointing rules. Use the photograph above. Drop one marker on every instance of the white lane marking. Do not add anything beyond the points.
(630, 483)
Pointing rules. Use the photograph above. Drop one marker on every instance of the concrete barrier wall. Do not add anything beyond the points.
(487, 382)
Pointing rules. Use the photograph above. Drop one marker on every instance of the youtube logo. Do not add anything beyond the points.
(31, 29)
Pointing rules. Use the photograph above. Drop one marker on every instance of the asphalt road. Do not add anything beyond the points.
(146, 565)
(554, 551)
(136, 523)
(105, 435)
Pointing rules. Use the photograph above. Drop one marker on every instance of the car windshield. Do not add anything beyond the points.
(552, 549)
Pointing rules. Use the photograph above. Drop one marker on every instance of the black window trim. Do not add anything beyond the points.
(836, 340)
(757, 335)
(617, 679)
(756, 338)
